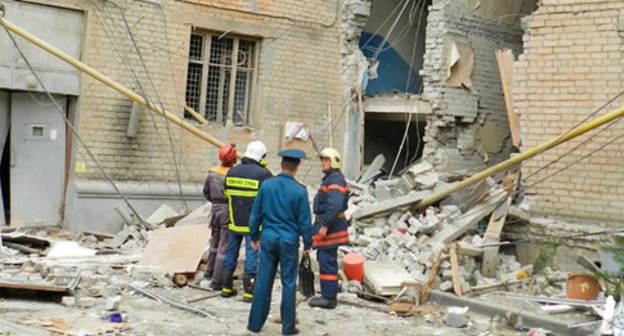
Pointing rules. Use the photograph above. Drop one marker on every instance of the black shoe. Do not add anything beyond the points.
(323, 302)
(217, 286)
(208, 276)
(253, 331)
(294, 332)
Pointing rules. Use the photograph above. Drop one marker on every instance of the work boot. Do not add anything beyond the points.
(228, 284)
(216, 286)
(323, 302)
(294, 332)
(249, 280)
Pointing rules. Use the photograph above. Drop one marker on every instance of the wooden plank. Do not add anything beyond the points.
(495, 227)
(461, 224)
(505, 60)
(455, 269)
(176, 249)
(389, 205)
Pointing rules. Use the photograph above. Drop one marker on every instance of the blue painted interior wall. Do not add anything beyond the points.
(392, 72)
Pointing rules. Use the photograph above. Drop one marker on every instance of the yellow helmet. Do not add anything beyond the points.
(333, 156)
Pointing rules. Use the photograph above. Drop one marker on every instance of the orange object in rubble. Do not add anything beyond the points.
(582, 287)
(354, 266)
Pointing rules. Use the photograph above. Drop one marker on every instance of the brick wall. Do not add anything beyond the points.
(572, 65)
(452, 141)
(298, 75)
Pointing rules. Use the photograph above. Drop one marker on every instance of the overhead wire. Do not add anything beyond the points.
(125, 28)
(71, 126)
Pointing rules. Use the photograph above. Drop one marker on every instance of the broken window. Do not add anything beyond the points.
(220, 75)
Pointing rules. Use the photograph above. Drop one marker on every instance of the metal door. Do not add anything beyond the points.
(4, 132)
(37, 159)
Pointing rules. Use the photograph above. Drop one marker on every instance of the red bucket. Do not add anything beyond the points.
(354, 266)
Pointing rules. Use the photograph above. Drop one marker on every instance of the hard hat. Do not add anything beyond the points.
(227, 154)
(256, 150)
(333, 156)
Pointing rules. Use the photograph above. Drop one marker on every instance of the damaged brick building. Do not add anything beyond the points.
(412, 80)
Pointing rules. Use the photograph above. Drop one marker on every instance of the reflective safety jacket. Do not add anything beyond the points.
(242, 183)
(329, 205)
(214, 188)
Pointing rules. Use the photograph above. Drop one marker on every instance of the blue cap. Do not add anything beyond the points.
(294, 155)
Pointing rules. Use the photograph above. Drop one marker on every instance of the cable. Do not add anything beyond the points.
(71, 127)
(409, 115)
(270, 15)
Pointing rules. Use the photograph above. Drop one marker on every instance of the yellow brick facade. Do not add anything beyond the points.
(572, 66)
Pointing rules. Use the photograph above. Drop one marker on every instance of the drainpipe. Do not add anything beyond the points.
(113, 84)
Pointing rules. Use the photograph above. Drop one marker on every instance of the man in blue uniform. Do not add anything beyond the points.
(242, 183)
(330, 226)
(283, 210)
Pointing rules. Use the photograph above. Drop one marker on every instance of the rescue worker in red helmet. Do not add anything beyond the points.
(219, 215)
(330, 226)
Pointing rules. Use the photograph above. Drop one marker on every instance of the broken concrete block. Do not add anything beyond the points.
(446, 286)
(426, 181)
(363, 240)
(374, 232)
(456, 321)
(382, 193)
(420, 168)
(354, 286)
(447, 275)
(68, 301)
(445, 265)
(87, 302)
(112, 303)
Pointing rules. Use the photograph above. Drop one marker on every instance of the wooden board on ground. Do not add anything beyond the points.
(77, 324)
(384, 277)
(176, 249)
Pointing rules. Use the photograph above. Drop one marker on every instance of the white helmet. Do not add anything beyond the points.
(256, 150)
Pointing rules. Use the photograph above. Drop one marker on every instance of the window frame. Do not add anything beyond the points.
(251, 86)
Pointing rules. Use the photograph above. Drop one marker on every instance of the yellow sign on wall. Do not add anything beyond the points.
(81, 167)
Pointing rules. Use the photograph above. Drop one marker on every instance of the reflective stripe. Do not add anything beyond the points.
(247, 295)
(239, 229)
(328, 277)
(241, 193)
(238, 182)
(226, 290)
(331, 239)
(335, 187)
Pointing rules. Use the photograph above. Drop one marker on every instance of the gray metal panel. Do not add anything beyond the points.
(62, 28)
(37, 159)
(4, 132)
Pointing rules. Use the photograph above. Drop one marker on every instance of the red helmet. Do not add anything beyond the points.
(227, 153)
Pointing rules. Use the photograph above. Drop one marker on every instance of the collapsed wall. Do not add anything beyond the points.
(468, 128)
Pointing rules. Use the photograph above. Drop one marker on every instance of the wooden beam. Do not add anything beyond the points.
(389, 205)
(505, 60)
(457, 288)
(461, 224)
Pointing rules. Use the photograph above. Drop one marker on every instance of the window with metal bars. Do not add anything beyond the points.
(216, 86)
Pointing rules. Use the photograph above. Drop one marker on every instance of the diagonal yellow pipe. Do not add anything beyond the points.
(113, 84)
(521, 157)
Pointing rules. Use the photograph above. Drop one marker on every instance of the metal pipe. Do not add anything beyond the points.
(113, 84)
(521, 157)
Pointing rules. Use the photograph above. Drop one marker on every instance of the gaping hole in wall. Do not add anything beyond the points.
(393, 41)
(384, 136)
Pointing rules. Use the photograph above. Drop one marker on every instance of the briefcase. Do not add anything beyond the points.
(306, 276)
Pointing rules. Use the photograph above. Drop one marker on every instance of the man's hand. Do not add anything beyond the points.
(323, 231)
(255, 244)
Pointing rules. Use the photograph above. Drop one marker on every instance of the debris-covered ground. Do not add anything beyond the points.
(433, 270)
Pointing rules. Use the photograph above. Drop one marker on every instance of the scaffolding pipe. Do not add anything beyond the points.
(113, 84)
(520, 157)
